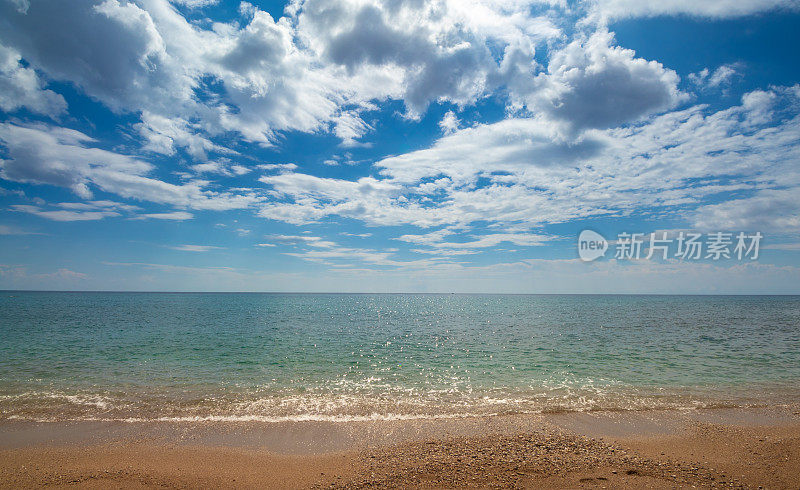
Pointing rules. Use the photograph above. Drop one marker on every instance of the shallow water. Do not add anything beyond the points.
(273, 357)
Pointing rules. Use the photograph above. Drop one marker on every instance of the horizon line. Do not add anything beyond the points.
(433, 293)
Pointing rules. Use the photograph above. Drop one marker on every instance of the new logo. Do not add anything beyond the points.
(591, 245)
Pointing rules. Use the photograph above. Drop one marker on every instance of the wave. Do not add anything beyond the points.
(181, 407)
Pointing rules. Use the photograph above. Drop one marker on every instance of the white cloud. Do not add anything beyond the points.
(94, 205)
(435, 240)
(326, 62)
(315, 69)
(59, 156)
(449, 123)
(588, 135)
(768, 210)
(437, 50)
(64, 273)
(316, 197)
(591, 83)
(77, 211)
(173, 216)
(18, 277)
(64, 215)
(338, 256)
(21, 87)
(445, 252)
(723, 75)
(147, 57)
(528, 276)
(240, 170)
(281, 167)
(713, 9)
(111, 50)
(493, 239)
(195, 3)
(163, 135)
(221, 167)
(523, 172)
(13, 230)
(42, 154)
(348, 126)
(312, 241)
(430, 238)
(195, 248)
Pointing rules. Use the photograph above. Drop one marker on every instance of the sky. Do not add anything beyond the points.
(400, 145)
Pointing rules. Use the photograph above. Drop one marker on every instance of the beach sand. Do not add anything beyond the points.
(744, 448)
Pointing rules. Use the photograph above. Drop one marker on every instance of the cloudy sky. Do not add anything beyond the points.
(396, 145)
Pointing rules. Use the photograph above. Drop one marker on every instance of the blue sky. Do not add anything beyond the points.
(404, 145)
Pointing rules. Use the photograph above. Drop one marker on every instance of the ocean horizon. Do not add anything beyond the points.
(272, 357)
(155, 291)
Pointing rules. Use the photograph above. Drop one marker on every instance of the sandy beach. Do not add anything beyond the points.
(743, 448)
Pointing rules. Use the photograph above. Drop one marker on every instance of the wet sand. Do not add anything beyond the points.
(744, 448)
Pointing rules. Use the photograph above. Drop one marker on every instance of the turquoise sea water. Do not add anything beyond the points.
(274, 357)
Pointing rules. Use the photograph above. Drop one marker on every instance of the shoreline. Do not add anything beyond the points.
(665, 448)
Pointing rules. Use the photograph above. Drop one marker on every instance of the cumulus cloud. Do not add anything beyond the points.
(59, 156)
(449, 123)
(43, 154)
(221, 167)
(430, 238)
(589, 132)
(314, 69)
(147, 57)
(325, 62)
(593, 84)
(21, 87)
(522, 171)
(721, 76)
(112, 50)
(775, 210)
(348, 126)
(454, 70)
(322, 64)
(315, 197)
(164, 135)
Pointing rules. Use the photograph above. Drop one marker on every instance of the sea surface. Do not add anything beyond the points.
(340, 357)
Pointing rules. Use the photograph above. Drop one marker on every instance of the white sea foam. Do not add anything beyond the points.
(375, 417)
(342, 409)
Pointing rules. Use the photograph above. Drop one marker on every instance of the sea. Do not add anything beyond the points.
(190, 357)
